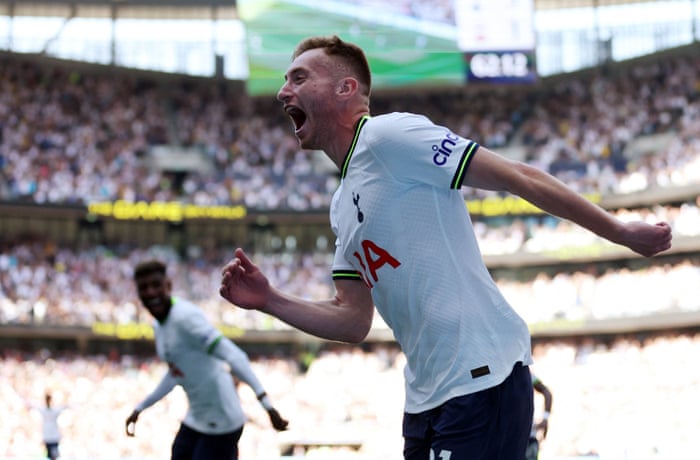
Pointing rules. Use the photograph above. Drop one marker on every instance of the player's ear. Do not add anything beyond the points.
(347, 86)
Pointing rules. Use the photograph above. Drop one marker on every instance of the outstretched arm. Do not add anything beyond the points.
(243, 371)
(491, 171)
(547, 394)
(163, 388)
(347, 317)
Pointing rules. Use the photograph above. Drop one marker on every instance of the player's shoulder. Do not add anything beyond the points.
(395, 128)
(183, 309)
(396, 120)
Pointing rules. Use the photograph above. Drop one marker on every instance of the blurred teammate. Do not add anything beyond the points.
(196, 353)
(405, 243)
(50, 431)
(533, 446)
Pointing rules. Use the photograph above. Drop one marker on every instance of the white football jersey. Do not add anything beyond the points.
(187, 341)
(402, 226)
(49, 429)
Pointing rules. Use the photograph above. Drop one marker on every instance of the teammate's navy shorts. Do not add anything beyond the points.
(51, 449)
(190, 444)
(493, 424)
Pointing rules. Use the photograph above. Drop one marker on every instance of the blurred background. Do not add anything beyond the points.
(149, 128)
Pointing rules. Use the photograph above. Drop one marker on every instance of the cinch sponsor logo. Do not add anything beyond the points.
(444, 150)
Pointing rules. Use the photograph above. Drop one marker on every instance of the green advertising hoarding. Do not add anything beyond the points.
(402, 52)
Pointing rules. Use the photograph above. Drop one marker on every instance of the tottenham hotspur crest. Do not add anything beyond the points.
(356, 201)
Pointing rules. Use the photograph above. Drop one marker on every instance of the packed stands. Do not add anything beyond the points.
(629, 397)
(79, 136)
(71, 135)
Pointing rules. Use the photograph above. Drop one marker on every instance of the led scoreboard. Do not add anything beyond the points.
(497, 39)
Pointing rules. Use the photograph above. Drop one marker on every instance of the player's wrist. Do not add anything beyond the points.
(265, 401)
(545, 415)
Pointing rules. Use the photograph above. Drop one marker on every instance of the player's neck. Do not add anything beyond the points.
(343, 141)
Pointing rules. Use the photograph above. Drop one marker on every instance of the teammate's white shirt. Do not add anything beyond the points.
(402, 224)
(50, 431)
(197, 354)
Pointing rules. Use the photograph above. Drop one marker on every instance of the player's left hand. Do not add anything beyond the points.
(543, 426)
(647, 239)
(131, 423)
(278, 422)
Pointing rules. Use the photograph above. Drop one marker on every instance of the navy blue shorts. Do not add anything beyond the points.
(190, 444)
(492, 424)
(51, 449)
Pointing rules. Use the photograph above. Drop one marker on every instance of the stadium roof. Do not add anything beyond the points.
(554, 4)
(151, 9)
(117, 9)
(171, 9)
(539, 4)
(126, 3)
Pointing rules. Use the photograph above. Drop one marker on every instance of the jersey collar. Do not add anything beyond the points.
(360, 123)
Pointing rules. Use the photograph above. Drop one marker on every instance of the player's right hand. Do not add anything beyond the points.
(243, 284)
(131, 423)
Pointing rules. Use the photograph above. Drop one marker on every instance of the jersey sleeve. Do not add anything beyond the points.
(341, 268)
(412, 148)
(239, 363)
(535, 379)
(164, 387)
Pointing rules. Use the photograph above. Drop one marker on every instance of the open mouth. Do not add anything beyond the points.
(298, 117)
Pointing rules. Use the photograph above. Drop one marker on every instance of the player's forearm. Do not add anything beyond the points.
(554, 197)
(328, 319)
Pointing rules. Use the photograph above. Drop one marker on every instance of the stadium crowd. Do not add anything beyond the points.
(81, 136)
(629, 398)
(42, 284)
(69, 136)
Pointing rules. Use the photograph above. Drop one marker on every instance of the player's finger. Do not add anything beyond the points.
(230, 266)
(245, 262)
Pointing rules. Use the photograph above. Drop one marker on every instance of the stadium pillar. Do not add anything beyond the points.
(219, 66)
(113, 36)
(81, 344)
(694, 18)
